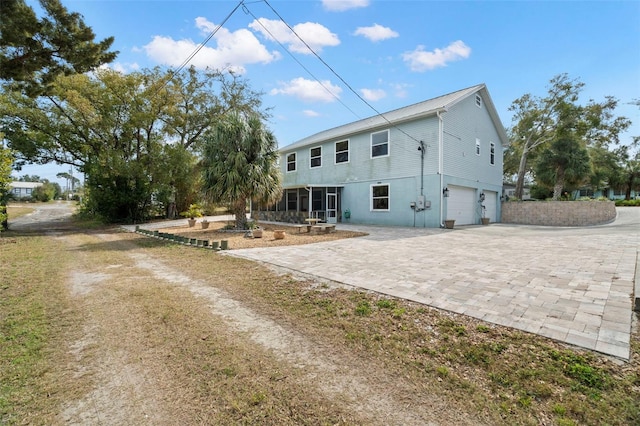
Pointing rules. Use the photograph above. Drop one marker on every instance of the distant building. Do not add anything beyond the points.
(23, 189)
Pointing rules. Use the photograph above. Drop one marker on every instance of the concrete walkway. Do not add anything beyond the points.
(574, 285)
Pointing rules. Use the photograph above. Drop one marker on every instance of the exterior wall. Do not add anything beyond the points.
(23, 189)
(559, 213)
(403, 159)
(463, 124)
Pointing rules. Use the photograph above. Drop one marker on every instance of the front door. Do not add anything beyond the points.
(332, 210)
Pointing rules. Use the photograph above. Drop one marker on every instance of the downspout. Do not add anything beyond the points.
(441, 164)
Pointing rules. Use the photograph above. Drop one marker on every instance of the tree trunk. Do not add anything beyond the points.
(557, 188)
(521, 172)
(240, 213)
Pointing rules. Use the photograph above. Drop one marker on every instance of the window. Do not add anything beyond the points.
(291, 162)
(478, 101)
(477, 146)
(28, 191)
(292, 201)
(315, 155)
(380, 197)
(493, 153)
(342, 152)
(380, 144)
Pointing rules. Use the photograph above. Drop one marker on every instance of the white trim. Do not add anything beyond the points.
(295, 162)
(388, 144)
(388, 197)
(311, 157)
(348, 151)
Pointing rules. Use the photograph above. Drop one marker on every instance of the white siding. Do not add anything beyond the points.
(491, 205)
(461, 205)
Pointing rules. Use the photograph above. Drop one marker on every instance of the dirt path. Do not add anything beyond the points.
(130, 379)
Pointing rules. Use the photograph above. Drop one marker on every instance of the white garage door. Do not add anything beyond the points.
(491, 205)
(461, 205)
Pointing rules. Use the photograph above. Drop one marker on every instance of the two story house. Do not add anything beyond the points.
(420, 165)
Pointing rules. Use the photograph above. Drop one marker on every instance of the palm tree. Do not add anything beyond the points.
(240, 164)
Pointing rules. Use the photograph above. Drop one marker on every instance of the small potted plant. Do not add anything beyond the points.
(256, 231)
(204, 223)
(193, 212)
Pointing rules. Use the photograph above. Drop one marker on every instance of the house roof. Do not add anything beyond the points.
(411, 112)
(31, 185)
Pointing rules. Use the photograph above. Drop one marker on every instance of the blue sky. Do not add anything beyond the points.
(391, 53)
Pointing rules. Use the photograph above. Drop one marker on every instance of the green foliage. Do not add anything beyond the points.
(628, 203)
(240, 163)
(193, 211)
(6, 161)
(47, 192)
(34, 51)
(552, 136)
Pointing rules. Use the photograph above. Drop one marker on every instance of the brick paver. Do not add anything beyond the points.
(570, 284)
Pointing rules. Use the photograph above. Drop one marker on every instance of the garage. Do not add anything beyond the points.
(461, 205)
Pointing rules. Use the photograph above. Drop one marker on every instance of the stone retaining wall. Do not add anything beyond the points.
(558, 213)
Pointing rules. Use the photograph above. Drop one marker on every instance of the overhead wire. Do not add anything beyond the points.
(378, 113)
(246, 10)
(173, 73)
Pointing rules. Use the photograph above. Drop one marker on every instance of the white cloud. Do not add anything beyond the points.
(376, 32)
(308, 90)
(373, 94)
(233, 50)
(317, 36)
(310, 113)
(342, 5)
(121, 67)
(421, 60)
(400, 90)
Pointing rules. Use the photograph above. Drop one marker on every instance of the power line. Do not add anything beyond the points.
(336, 74)
(198, 48)
(246, 10)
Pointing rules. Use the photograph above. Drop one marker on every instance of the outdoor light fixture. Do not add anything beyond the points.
(445, 192)
(482, 196)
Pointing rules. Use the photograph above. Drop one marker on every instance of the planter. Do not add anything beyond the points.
(279, 234)
(204, 224)
(449, 223)
(485, 220)
(191, 222)
(257, 233)
(224, 244)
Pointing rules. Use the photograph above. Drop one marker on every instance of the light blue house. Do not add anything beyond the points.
(420, 165)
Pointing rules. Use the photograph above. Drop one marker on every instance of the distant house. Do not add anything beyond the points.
(415, 166)
(509, 191)
(23, 189)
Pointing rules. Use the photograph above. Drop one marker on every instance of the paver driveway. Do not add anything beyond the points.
(570, 284)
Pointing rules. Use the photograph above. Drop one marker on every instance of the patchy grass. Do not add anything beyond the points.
(17, 210)
(34, 313)
(211, 374)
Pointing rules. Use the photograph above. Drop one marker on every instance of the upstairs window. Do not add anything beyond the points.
(493, 153)
(291, 162)
(315, 155)
(479, 101)
(380, 144)
(477, 146)
(342, 152)
(379, 197)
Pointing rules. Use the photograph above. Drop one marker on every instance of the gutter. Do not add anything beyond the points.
(441, 162)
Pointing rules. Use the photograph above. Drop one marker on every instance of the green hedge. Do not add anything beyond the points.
(634, 203)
